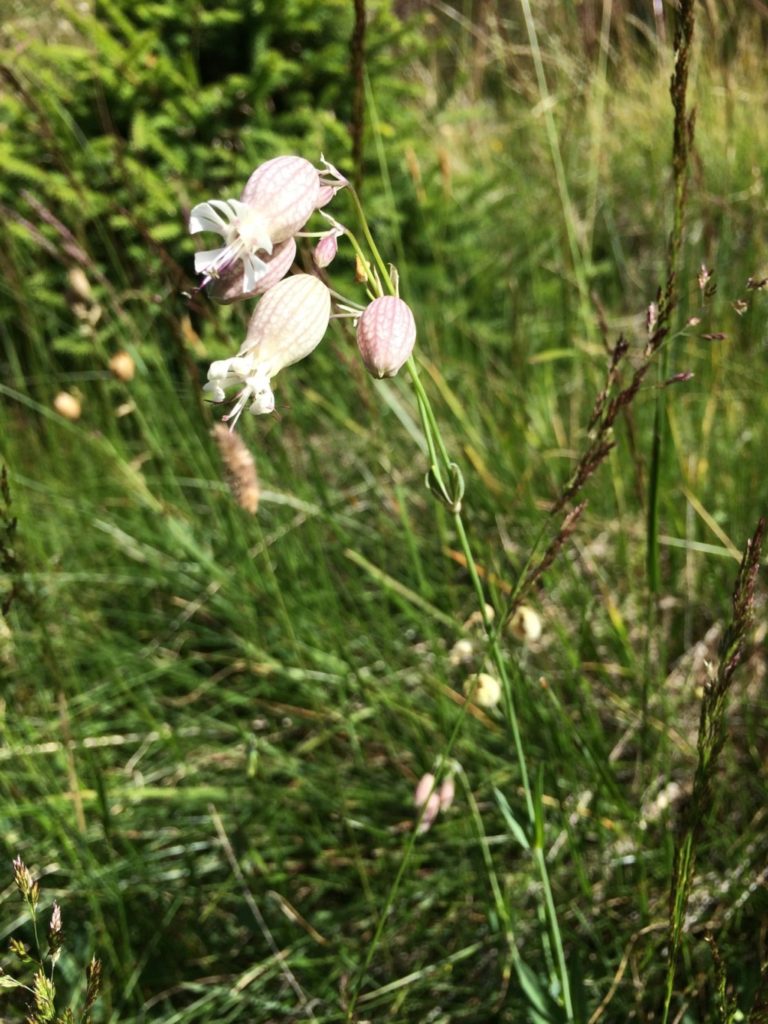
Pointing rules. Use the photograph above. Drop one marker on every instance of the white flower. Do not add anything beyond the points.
(245, 232)
(277, 201)
(287, 324)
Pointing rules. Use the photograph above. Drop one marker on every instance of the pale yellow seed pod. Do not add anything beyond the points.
(386, 334)
(483, 689)
(475, 620)
(463, 651)
(526, 625)
(288, 323)
(68, 405)
(122, 366)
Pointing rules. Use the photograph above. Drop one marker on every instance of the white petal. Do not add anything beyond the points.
(241, 209)
(215, 391)
(206, 258)
(254, 269)
(227, 207)
(204, 217)
(263, 403)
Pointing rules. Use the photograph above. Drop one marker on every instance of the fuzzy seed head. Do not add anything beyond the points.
(386, 334)
(239, 467)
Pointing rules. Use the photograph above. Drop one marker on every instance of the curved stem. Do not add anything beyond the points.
(442, 467)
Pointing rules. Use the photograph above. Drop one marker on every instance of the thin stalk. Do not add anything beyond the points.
(449, 490)
(578, 259)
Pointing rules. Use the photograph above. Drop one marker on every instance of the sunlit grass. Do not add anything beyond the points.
(185, 682)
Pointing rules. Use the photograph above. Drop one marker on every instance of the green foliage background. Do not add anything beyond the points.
(170, 662)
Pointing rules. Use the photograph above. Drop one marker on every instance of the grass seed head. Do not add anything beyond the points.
(240, 468)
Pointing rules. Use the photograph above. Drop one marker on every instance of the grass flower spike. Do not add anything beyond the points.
(386, 334)
(288, 323)
(277, 201)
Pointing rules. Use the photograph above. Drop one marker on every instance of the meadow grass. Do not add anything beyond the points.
(213, 722)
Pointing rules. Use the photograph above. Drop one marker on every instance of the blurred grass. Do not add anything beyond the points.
(169, 659)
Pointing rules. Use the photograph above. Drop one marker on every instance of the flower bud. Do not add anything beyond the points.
(424, 788)
(429, 813)
(446, 793)
(288, 323)
(325, 251)
(386, 334)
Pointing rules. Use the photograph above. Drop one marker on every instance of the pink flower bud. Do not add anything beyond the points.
(285, 191)
(386, 334)
(326, 194)
(424, 787)
(429, 813)
(325, 250)
(446, 793)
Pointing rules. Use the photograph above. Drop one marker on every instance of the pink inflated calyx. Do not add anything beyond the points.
(287, 324)
(286, 191)
(386, 334)
(232, 286)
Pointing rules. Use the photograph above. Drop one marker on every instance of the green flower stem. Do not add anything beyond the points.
(383, 270)
(445, 474)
